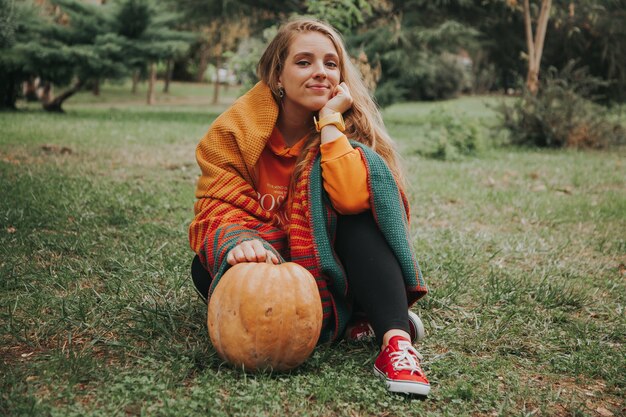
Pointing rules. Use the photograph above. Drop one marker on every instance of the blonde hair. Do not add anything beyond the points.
(364, 122)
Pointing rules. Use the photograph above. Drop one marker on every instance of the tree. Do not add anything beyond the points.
(19, 22)
(149, 37)
(223, 24)
(345, 15)
(594, 35)
(535, 42)
(417, 47)
(71, 46)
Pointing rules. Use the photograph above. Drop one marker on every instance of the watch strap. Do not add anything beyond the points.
(331, 119)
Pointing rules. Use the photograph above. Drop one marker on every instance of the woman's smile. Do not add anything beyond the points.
(319, 87)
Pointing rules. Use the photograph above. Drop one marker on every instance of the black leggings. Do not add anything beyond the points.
(375, 279)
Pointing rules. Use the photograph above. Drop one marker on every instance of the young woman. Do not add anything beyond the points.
(301, 169)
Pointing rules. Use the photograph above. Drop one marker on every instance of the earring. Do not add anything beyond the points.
(281, 92)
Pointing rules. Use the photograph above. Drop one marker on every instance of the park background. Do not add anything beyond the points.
(509, 118)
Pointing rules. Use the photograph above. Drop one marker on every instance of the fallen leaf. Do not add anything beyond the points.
(604, 412)
(11, 229)
(566, 190)
(56, 149)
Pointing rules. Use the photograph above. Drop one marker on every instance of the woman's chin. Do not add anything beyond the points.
(313, 105)
(316, 106)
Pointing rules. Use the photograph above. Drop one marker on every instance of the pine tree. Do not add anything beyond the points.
(18, 21)
(73, 45)
(149, 37)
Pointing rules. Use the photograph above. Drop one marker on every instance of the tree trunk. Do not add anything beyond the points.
(135, 82)
(216, 87)
(535, 46)
(151, 83)
(30, 89)
(45, 91)
(205, 53)
(168, 76)
(9, 91)
(95, 88)
(55, 104)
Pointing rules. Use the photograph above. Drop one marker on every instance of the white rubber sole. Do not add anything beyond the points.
(416, 388)
(418, 327)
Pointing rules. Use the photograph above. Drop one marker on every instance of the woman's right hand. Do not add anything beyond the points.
(250, 251)
(340, 101)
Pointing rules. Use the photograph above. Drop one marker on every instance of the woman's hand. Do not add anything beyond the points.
(340, 101)
(250, 251)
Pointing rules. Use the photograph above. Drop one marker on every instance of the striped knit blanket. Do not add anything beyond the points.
(227, 212)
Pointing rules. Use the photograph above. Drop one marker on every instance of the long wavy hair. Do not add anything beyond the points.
(364, 122)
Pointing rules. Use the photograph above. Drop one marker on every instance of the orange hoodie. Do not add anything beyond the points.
(343, 173)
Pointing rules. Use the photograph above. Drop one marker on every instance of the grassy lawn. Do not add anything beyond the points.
(524, 252)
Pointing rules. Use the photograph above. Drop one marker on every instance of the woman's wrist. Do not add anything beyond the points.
(326, 112)
(329, 133)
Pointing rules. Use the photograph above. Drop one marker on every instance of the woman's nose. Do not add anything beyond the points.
(320, 71)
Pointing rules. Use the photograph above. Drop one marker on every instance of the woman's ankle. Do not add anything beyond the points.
(391, 333)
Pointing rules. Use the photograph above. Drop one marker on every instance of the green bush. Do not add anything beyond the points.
(449, 137)
(439, 77)
(562, 114)
(389, 92)
(429, 77)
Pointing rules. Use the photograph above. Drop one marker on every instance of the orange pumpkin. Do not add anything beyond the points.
(265, 316)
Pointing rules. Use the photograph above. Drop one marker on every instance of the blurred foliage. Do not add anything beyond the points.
(148, 33)
(431, 77)
(70, 42)
(449, 137)
(244, 61)
(425, 49)
(562, 114)
(594, 34)
(420, 54)
(345, 15)
(16, 19)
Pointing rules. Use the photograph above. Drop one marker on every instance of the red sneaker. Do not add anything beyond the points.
(399, 365)
(360, 329)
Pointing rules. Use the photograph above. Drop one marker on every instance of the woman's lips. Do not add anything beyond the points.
(319, 87)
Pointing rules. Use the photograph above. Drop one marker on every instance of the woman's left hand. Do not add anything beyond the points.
(340, 101)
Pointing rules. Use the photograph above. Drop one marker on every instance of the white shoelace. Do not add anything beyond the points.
(407, 359)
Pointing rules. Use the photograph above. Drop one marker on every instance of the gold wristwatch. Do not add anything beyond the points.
(332, 119)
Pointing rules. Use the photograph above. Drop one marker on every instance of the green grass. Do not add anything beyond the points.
(523, 251)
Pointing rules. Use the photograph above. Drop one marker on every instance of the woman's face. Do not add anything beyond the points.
(310, 73)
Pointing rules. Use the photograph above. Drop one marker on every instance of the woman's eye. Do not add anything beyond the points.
(331, 64)
(302, 63)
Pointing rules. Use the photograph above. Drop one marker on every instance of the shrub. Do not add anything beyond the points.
(449, 137)
(562, 114)
(430, 77)
(438, 78)
(389, 92)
